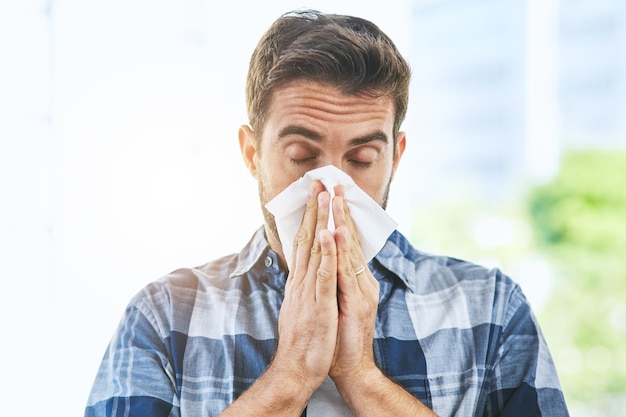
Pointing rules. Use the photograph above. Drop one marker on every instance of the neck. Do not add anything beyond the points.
(272, 237)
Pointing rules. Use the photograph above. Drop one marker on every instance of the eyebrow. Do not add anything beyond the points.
(316, 137)
(300, 131)
(376, 136)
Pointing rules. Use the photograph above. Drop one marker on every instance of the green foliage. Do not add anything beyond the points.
(579, 220)
(585, 206)
(578, 223)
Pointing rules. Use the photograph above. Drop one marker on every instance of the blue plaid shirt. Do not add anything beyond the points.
(459, 337)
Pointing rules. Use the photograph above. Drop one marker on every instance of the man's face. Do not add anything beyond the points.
(310, 125)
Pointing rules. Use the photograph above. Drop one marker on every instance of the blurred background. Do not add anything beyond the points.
(119, 163)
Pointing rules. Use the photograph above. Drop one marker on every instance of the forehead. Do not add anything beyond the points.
(314, 102)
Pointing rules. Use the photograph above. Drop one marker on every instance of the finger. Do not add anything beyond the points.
(341, 213)
(326, 283)
(342, 218)
(364, 280)
(306, 233)
(323, 210)
(340, 190)
(346, 277)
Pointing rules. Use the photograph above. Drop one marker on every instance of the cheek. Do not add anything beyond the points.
(367, 184)
(374, 184)
(273, 180)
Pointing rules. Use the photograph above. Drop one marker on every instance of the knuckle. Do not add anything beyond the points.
(311, 204)
(302, 236)
(323, 273)
(316, 248)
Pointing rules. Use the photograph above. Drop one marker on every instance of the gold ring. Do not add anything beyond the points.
(359, 271)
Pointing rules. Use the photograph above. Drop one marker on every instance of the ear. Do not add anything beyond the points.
(400, 146)
(247, 145)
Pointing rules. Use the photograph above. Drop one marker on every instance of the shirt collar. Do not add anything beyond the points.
(253, 253)
(399, 258)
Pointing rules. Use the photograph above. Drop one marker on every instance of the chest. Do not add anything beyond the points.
(430, 352)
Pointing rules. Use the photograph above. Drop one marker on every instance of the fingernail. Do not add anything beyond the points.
(320, 199)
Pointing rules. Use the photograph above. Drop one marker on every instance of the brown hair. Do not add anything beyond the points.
(347, 52)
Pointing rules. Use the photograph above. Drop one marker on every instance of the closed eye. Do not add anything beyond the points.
(360, 164)
(364, 156)
(302, 161)
(301, 153)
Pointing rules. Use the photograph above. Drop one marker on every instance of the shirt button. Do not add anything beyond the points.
(268, 261)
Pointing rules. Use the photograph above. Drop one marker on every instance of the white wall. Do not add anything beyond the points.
(119, 163)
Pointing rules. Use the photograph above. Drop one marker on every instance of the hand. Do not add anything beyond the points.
(358, 293)
(326, 325)
(308, 320)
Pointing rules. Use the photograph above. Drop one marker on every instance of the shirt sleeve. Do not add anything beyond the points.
(136, 376)
(524, 381)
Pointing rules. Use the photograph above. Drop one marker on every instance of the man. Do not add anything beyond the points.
(407, 334)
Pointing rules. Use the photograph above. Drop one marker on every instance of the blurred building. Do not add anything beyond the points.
(500, 88)
(593, 73)
(468, 91)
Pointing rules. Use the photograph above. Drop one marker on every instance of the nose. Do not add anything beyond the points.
(336, 161)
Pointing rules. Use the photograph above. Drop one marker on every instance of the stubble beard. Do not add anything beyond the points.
(270, 223)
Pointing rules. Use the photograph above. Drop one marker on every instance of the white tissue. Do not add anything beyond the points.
(373, 224)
